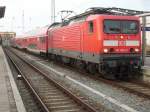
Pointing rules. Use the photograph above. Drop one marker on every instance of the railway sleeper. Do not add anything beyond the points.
(54, 96)
(60, 103)
(57, 100)
(70, 110)
(64, 107)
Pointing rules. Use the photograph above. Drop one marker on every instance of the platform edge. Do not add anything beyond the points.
(18, 100)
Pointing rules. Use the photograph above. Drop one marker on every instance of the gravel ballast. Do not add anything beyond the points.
(127, 100)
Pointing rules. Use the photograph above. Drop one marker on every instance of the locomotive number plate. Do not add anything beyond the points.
(121, 43)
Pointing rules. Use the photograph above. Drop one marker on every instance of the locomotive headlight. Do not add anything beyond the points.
(105, 50)
(121, 37)
(137, 50)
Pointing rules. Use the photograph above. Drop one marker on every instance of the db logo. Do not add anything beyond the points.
(63, 38)
(122, 43)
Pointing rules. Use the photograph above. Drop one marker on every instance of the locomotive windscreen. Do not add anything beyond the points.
(121, 27)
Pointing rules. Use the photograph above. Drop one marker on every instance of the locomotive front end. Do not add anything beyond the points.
(121, 53)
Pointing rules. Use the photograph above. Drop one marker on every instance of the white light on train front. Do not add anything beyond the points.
(137, 50)
(105, 50)
(121, 37)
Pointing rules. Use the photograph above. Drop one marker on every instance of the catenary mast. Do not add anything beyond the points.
(52, 11)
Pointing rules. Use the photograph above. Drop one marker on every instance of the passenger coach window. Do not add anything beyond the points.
(91, 26)
(42, 39)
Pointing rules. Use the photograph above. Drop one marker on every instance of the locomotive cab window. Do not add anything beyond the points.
(111, 26)
(120, 27)
(91, 27)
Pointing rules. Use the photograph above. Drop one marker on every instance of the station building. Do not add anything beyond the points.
(5, 37)
(145, 23)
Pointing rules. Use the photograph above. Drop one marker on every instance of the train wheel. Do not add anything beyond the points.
(42, 54)
(66, 60)
(138, 74)
(91, 68)
(58, 58)
(80, 65)
(52, 57)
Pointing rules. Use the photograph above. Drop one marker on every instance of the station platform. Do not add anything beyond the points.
(10, 99)
(147, 61)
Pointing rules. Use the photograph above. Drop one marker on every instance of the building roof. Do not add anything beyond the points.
(144, 14)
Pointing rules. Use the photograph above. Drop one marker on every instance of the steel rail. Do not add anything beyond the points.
(69, 93)
(42, 105)
(117, 83)
(135, 88)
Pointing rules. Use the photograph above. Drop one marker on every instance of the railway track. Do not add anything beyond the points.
(139, 88)
(50, 95)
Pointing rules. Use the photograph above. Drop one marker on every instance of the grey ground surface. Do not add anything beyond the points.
(7, 101)
(132, 102)
(147, 61)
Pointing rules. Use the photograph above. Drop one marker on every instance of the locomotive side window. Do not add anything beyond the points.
(91, 27)
(25, 40)
(49, 34)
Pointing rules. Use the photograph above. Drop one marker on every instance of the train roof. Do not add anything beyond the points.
(100, 11)
(118, 17)
(38, 32)
(108, 11)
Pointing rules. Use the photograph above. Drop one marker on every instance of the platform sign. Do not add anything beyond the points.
(145, 29)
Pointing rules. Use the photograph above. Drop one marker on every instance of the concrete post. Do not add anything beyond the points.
(52, 11)
(143, 39)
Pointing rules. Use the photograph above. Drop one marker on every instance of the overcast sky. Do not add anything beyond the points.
(37, 12)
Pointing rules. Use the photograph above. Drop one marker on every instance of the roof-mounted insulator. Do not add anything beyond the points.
(109, 11)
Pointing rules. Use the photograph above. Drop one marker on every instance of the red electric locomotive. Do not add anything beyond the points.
(96, 40)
